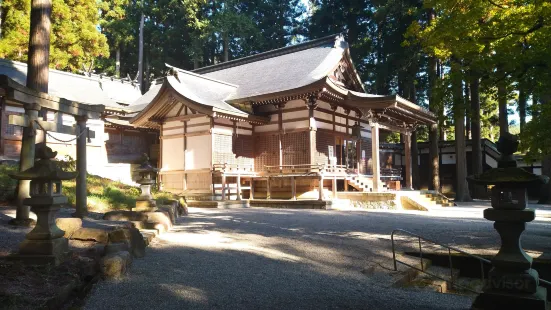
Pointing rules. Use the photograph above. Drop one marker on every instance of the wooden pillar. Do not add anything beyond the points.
(312, 104)
(238, 187)
(279, 107)
(334, 187)
(160, 160)
(223, 187)
(407, 151)
(346, 185)
(375, 155)
(268, 189)
(81, 194)
(293, 189)
(251, 195)
(320, 188)
(359, 154)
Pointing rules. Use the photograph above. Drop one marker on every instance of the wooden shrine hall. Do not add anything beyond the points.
(292, 123)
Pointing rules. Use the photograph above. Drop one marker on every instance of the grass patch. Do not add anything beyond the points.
(103, 194)
(106, 194)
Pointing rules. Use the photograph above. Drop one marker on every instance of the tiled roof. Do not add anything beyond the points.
(279, 70)
(92, 89)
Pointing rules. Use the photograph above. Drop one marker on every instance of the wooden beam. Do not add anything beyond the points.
(183, 117)
(293, 189)
(375, 157)
(23, 121)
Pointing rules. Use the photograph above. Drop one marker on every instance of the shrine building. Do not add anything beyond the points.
(291, 123)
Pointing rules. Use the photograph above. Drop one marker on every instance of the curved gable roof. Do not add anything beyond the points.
(281, 69)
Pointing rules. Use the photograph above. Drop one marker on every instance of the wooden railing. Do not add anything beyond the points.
(229, 168)
(306, 168)
(391, 173)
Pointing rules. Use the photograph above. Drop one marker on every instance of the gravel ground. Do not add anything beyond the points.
(293, 259)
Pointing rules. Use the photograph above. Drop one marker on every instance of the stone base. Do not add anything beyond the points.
(55, 247)
(42, 252)
(145, 206)
(498, 300)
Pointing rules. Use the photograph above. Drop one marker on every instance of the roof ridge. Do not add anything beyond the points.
(270, 54)
(200, 76)
(4, 61)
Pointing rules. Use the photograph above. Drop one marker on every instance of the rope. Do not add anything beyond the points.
(64, 141)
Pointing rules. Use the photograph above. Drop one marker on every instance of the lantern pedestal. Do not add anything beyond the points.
(511, 283)
(44, 244)
(146, 203)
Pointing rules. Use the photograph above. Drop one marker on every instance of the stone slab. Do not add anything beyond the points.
(114, 266)
(91, 234)
(124, 215)
(291, 204)
(69, 225)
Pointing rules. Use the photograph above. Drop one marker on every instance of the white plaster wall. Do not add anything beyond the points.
(448, 159)
(295, 104)
(198, 120)
(296, 114)
(199, 152)
(324, 125)
(323, 115)
(198, 128)
(173, 154)
(295, 125)
(265, 128)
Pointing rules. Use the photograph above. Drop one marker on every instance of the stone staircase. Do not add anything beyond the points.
(438, 198)
(363, 183)
(424, 200)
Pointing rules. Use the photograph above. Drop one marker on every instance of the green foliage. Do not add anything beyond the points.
(7, 184)
(535, 139)
(75, 40)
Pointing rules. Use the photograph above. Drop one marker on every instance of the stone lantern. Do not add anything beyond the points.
(511, 283)
(45, 244)
(147, 175)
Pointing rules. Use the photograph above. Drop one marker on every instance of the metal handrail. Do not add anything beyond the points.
(450, 248)
(451, 280)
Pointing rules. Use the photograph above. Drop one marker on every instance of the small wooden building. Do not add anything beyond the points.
(292, 122)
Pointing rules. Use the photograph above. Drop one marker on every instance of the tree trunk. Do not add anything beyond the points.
(37, 79)
(502, 102)
(140, 55)
(39, 45)
(476, 132)
(522, 98)
(118, 63)
(226, 46)
(415, 177)
(434, 160)
(467, 111)
(461, 187)
(545, 193)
